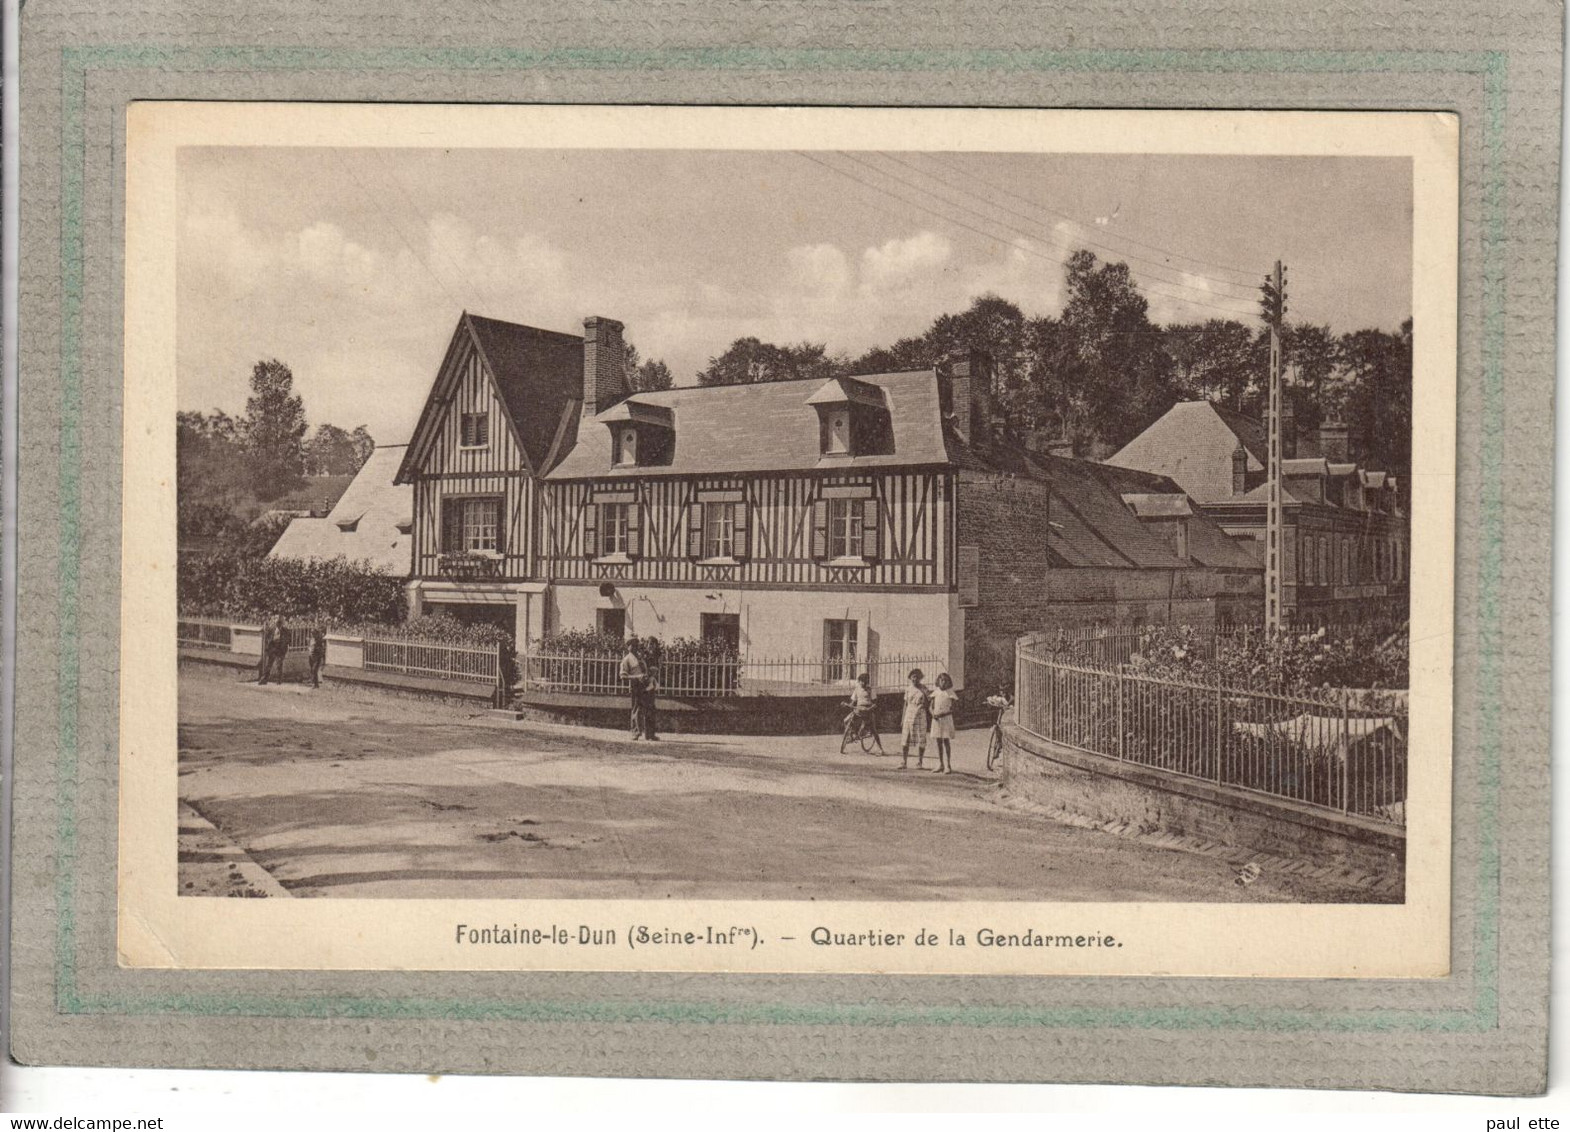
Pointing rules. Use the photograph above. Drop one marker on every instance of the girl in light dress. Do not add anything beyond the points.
(944, 700)
(913, 724)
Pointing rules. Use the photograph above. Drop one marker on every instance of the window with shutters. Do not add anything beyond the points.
(845, 528)
(471, 526)
(615, 520)
(475, 430)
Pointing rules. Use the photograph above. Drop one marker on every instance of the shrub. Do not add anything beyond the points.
(1292, 662)
(336, 590)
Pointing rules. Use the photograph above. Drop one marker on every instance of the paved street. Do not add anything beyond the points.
(341, 792)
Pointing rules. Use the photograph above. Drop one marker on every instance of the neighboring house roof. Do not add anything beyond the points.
(1093, 525)
(1192, 443)
(765, 427)
(538, 376)
(1165, 506)
(371, 521)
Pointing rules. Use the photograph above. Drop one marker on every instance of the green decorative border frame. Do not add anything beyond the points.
(77, 62)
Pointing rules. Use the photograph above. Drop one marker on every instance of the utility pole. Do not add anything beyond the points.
(1275, 306)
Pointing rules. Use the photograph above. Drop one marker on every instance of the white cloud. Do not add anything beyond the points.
(904, 262)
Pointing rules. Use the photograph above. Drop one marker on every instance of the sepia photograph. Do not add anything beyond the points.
(779, 522)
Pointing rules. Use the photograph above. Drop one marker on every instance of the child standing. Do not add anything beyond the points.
(944, 701)
(913, 724)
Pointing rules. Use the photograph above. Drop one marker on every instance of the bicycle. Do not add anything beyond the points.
(863, 727)
(995, 741)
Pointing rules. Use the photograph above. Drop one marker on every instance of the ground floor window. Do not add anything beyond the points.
(839, 650)
(611, 622)
(723, 628)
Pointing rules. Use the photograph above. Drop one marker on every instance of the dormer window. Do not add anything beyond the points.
(836, 441)
(642, 434)
(853, 419)
(626, 445)
(1165, 515)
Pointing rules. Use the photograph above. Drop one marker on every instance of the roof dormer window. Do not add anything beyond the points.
(853, 419)
(626, 445)
(641, 434)
(836, 438)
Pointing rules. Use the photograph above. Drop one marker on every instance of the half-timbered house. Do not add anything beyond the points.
(504, 406)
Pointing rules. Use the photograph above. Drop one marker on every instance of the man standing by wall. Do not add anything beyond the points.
(275, 647)
(635, 674)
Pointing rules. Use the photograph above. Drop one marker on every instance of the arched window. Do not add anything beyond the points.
(1324, 561)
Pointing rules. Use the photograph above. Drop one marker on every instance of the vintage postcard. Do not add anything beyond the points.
(788, 540)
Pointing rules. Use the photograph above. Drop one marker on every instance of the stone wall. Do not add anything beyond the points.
(1083, 785)
(1006, 517)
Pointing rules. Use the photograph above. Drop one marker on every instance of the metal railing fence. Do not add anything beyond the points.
(205, 633)
(1325, 754)
(478, 663)
(599, 674)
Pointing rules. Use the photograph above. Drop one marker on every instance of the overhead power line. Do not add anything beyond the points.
(1252, 274)
(1149, 263)
(1013, 241)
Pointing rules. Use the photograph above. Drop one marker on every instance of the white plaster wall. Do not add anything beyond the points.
(782, 623)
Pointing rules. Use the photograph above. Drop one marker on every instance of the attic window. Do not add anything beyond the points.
(853, 418)
(641, 433)
(475, 430)
(836, 432)
(626, 445)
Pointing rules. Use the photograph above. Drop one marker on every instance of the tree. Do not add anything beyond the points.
(1313, 354)
(1122, 373)
(1374, 396)
(331, 452)
(751, 360)
(274, 429)
(363, 446)
(1217, 360)
(646, 376)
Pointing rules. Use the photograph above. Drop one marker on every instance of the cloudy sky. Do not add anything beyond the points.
(352, 265)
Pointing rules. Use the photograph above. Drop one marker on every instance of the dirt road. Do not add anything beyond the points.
(343, 793)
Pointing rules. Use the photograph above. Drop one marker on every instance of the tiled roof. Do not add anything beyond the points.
(363, 526)
(538, 373)
(766, 427)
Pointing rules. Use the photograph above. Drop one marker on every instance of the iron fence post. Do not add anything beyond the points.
(1220, 737)
(1122, 727)
(1346, 750)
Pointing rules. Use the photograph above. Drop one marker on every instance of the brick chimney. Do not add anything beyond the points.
(604, 364)
(1288, 430)
(1333, 441)
(965, 392)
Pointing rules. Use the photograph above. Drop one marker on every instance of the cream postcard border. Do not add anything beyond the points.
(158, 928)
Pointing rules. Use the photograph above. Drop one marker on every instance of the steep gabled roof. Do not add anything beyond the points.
(364, 525)
(765, 426)
(538, 376)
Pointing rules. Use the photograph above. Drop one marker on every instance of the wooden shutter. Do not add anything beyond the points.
(452, 517)
(634, 529)
(591, 531)
(871, 529)
(820, 528)
(742, 542)
(694, 529)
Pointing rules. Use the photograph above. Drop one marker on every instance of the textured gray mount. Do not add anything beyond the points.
(1474, 1038)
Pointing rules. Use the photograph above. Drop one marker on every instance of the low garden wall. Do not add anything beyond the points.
(1064, 779)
